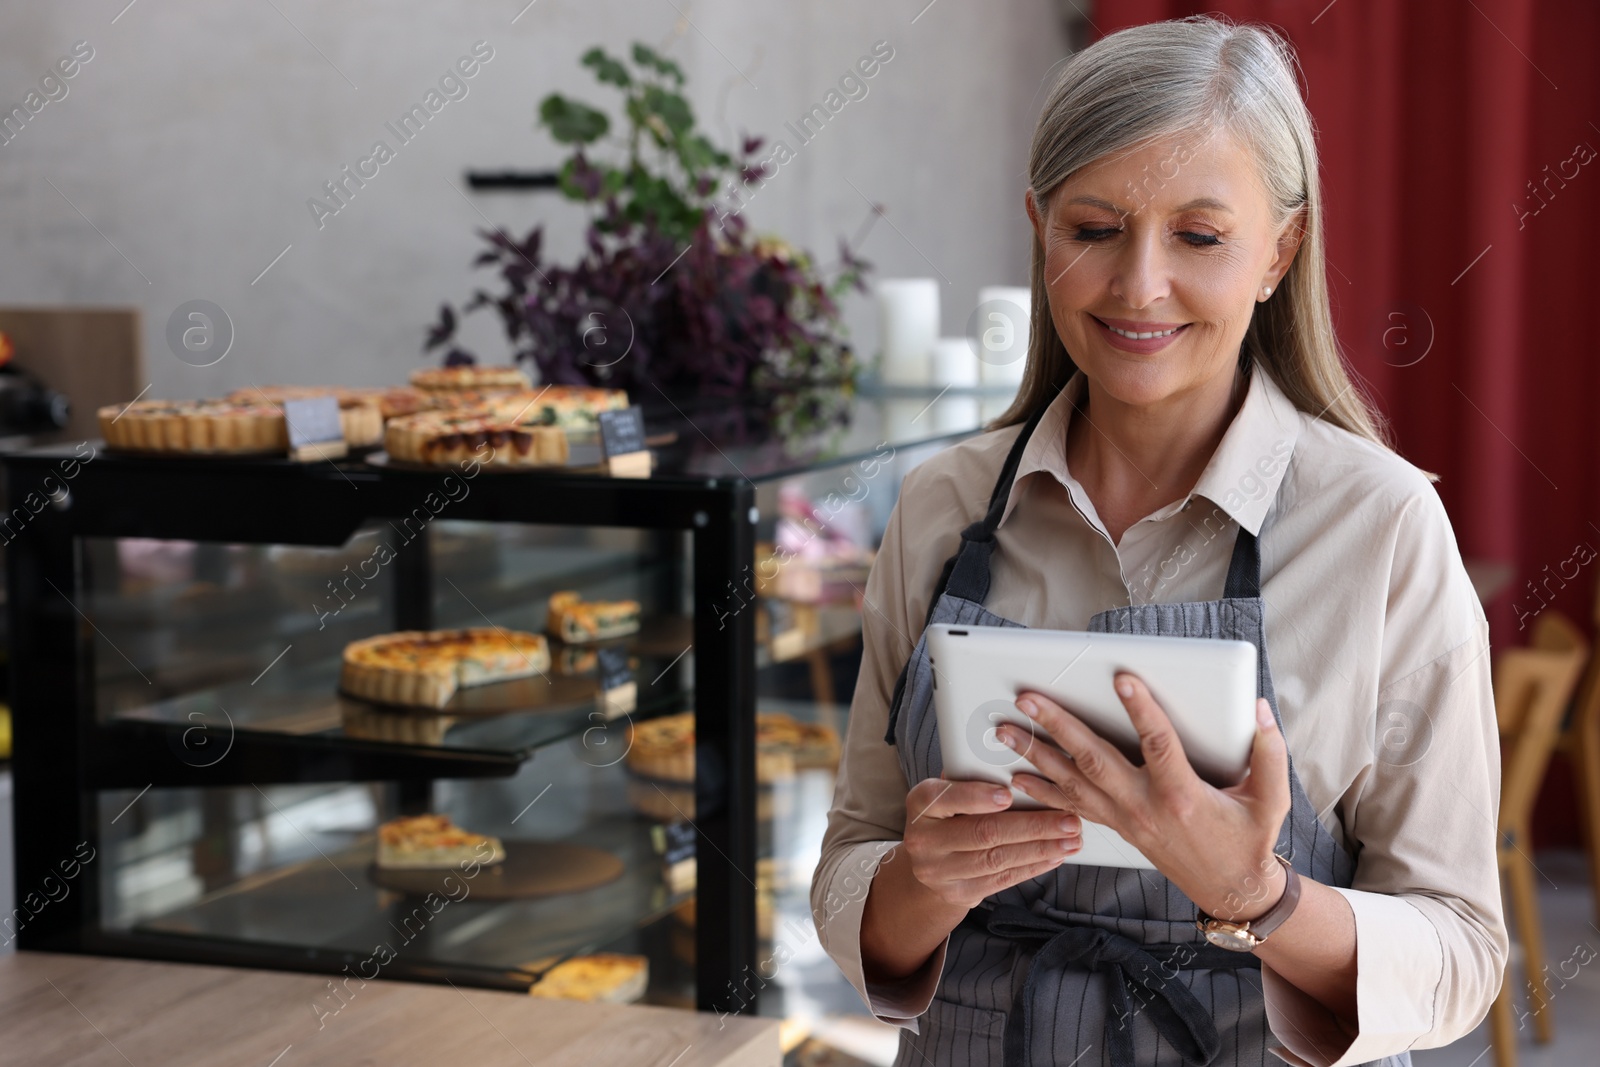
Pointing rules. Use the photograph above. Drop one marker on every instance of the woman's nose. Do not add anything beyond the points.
(1142, 273)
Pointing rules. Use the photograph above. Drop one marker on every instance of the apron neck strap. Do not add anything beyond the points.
(966, 574)
(1244, 569)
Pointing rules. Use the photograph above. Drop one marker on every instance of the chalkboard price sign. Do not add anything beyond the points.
(614, 669)
(315, 431)
(622, 443)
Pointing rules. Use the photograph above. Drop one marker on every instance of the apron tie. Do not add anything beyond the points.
(1148, 971)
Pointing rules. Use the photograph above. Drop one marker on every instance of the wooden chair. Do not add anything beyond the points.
(1580, 743)
(1532, 687)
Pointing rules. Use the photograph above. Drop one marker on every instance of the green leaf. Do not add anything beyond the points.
(673, 109)
(567, 184)
(570, 122)
(696, 154)
(646, 56)
(607, 69)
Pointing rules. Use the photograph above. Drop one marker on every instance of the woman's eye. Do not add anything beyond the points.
(1198, 240)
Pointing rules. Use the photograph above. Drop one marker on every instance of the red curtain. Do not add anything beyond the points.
(1461, 183)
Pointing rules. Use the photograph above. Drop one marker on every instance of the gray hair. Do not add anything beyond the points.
(1201, 74)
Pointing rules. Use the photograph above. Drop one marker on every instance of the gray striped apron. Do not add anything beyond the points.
(1095, 965)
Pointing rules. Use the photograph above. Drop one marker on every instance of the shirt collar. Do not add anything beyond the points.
(1242, 477)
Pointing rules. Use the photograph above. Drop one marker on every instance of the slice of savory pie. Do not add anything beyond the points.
(433, 841)
(604, 976)
(578, 621)
(472, 377)
(426, 667)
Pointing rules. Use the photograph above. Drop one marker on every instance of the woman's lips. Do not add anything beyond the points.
(1141, 345)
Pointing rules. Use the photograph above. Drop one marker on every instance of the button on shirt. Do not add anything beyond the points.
(1379, 652)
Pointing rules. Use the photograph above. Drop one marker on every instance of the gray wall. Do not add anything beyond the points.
(197, 132)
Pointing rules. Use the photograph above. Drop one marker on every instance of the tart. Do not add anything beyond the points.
(571, 407)
(455, 437)
(578, 621)
(469, 377)
(605, 976)
(203, 426)
(425, 667)
(664, 748)
(433, 841)
(370, 724)
(360, 414)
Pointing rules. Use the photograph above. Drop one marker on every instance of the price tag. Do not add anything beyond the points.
(783, 630)
(614, 669)
(622, 443)
(315, 431)
(680, 838)
(619, 693)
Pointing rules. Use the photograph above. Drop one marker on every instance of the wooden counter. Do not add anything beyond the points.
(90, 1011)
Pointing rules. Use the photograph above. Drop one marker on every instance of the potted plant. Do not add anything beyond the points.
(672, 295)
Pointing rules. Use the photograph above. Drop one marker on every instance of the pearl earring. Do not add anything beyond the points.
(1266, 290)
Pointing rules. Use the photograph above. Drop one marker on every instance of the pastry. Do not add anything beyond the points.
(203, 426)
(571, 407)
(604, 976)
(370, 724)
(664, 748)
(470, 376)
(457, 436)
(360, 414)
(578, 621)
(433, 841)
(425, 667)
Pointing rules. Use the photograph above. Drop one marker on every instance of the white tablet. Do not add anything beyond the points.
(1207, 686)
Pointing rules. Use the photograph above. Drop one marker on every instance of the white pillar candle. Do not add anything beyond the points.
(908, 317)
(1001, 327)
(955, 364)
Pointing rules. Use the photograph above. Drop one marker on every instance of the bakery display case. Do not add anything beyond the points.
(625, 771)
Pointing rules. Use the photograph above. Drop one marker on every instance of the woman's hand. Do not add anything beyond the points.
(1214, 844)
(964, 843)
(961, 843)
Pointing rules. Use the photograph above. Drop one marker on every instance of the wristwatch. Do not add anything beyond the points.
(1242, 937)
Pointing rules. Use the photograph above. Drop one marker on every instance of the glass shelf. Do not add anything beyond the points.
(329, 903)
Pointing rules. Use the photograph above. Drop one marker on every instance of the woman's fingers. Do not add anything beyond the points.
(1268, 781)
(1082, 751)
(1158, 741)
(978, 888)
(979, 833)
(997, 862)
(1044, 790)
(940, 798)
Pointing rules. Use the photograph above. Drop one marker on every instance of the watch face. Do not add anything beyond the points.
(1231, 939)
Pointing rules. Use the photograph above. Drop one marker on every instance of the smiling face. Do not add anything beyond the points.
(1174, 236)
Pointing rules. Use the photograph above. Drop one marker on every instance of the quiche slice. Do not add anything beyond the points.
(471, 377)
(456, 436)
(360, 414)
(578, 621)
(433, 841)
(605, 976)
(663, 748)
(571, 407)
(426, 667)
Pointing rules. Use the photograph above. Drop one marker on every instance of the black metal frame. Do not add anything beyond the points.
(64, 757)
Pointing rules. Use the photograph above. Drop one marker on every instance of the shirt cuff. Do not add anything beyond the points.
(838, 920)
(1399, 964)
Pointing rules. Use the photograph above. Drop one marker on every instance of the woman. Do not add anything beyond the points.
(1186, 456)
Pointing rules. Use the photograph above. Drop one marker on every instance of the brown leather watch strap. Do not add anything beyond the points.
(1263, 927)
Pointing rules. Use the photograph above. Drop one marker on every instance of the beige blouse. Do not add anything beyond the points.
(1379, 652)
